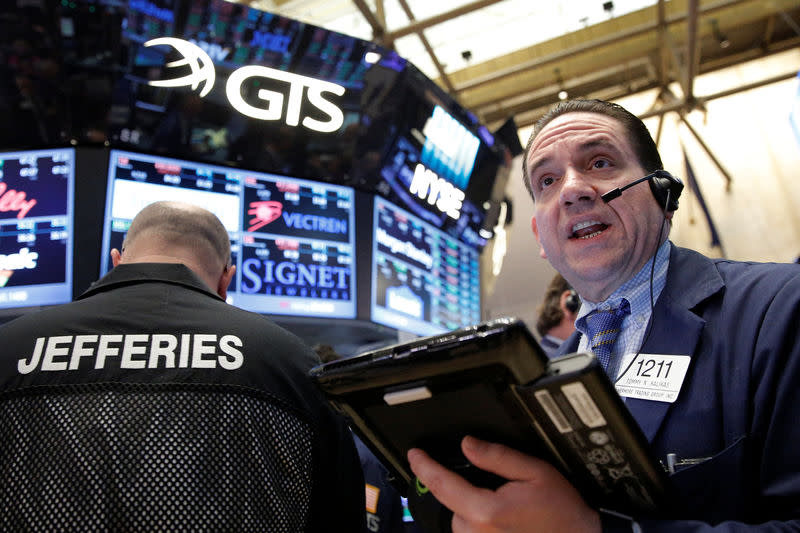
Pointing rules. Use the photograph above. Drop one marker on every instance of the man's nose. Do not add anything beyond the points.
(576, 187)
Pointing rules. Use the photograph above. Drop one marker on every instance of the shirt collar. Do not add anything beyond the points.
(637, 289)
(554, 340)
(132, 273)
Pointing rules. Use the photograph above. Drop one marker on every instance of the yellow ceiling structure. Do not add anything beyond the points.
(664, 43)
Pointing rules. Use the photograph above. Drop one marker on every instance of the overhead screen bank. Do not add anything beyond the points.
(354, 190)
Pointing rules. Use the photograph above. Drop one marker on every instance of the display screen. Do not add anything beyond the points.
(147, 19)
(292, 240)
(227, 84)
(36, 227)
(235, 35)
(449, 148)
(254, 89)
(407, 181)
(440, 163)
(423, 281)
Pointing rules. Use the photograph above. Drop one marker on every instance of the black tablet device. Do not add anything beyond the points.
(596, 441)
(431, 392)
(493, 381)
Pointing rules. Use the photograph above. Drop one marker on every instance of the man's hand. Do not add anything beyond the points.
(536, 498)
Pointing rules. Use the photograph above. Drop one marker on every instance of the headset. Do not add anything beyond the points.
(665, 187)
(573, 301)
(664, 183)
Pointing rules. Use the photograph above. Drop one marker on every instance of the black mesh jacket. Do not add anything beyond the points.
(149, 404)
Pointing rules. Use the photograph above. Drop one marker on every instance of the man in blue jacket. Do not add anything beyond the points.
(725, 421)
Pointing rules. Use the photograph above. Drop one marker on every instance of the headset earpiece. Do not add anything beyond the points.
(663, 182)
(573, 301)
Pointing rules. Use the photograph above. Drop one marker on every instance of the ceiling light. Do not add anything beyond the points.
(562, 92)
(721, 39)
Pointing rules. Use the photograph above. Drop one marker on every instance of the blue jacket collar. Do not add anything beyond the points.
(676, 329)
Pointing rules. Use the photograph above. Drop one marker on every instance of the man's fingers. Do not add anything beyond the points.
(532, 500)
(452, 491)
(502, 460)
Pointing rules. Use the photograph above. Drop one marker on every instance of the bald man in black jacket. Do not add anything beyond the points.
(151, 404)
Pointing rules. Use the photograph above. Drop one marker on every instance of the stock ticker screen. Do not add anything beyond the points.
(36, 227)
(292, 240)
(423, 280)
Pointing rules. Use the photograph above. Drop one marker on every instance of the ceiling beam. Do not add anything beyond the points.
(529, 117)
(749, 86)
(681, 104)
(659, 130)
(769, 30)
(749, 54)
(380, 13)
(588, 45)
(707, 150)
(663, 74)
(792, 24)
(571, 85)
(692, 57)
(418, 26)
(378, 29)
(428, 48)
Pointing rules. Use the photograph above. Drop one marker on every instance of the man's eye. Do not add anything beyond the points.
(547, 181)
(600, 163)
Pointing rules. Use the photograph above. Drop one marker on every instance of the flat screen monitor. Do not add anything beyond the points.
(292, 240)
(424, 281)
(406, 181)
(439, 163)
(449, 148)
(36, 227)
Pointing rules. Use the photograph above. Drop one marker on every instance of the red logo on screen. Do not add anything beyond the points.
(287, 187)
(263, 213)
(13, 200)
(287, 244)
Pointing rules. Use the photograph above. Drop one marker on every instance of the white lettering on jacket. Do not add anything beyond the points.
(137, 351)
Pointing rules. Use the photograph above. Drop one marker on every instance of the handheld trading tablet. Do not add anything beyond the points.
(493, 381)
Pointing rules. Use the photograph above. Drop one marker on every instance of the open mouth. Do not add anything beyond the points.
(588, 229)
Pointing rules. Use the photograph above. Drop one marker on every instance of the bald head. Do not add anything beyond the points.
(176, 232)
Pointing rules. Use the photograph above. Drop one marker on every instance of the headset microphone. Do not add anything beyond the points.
(616, 193)
(665, 187)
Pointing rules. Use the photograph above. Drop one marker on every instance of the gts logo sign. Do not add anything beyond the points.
(202, 72)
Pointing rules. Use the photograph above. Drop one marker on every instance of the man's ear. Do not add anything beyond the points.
(225, 281)
(116, 257)
(535, 229)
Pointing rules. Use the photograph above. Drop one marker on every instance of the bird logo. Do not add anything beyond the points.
(263, 213)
